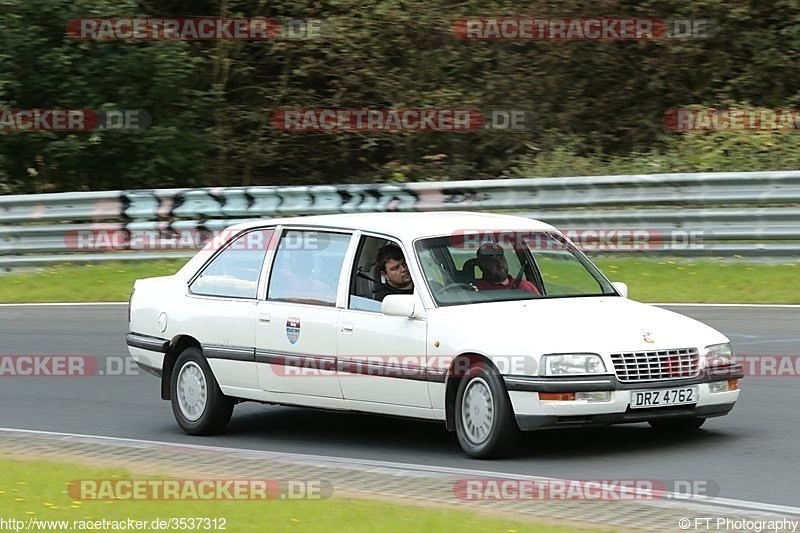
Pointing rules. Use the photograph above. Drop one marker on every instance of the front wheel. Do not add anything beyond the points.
(677, 425)
(197, 401)
(484, 419)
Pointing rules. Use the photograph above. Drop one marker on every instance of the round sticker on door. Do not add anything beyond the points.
(293, 329)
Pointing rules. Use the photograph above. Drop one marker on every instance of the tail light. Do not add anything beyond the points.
(130, 299)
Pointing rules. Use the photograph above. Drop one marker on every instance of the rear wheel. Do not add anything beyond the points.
(677, 425)
(197, 401)
(484, 419)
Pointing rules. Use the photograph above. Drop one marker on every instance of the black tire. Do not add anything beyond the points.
(206, 410)
(498, 436)
(685, 424)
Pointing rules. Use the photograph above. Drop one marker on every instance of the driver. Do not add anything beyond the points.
(494, 267)
(393, 267)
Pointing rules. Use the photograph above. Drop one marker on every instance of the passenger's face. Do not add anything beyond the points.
(494, 267)
(397, 273)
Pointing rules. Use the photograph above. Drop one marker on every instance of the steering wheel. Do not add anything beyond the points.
(453, 286)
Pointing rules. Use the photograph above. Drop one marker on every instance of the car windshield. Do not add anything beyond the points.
(478, 267)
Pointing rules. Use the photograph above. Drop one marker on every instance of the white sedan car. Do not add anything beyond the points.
(508, 327)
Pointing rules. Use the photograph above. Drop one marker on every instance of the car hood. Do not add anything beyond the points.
(559, 325)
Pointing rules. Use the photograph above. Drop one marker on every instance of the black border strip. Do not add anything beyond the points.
(378, 369)
(538, 384)
(231, 353)
(147, 342)
(609, 383)
(323, 362)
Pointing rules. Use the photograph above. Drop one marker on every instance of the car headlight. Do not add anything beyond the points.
(719, 355)
(570, 364)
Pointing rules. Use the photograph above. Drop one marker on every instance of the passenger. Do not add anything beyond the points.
(392, 264)
(494, 267)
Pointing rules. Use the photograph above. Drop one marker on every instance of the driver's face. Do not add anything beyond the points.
(397, 273)
(494, 267)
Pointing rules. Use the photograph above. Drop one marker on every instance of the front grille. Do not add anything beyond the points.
(678, 363)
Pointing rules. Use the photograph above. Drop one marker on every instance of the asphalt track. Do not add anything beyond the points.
(752, 454)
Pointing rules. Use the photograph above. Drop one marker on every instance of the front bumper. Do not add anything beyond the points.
(629, 416)
(532, 413)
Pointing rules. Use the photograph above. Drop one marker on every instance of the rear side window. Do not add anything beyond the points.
(235, 271)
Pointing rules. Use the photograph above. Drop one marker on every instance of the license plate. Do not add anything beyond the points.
(663, 397)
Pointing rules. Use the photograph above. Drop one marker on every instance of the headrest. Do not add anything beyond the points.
(490, 249)
(376, 274)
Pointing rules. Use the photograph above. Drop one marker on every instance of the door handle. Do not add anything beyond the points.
(347, 328)
(264, 317)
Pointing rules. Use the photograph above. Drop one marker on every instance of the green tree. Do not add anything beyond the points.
(42, 67)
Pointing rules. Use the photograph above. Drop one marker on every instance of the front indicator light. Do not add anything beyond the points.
(733, 384)
(557, 396)
(594, 396)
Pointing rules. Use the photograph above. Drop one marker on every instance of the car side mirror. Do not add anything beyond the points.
(399, 305)
(621, 288)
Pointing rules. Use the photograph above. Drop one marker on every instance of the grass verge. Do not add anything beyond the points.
(37, 491)
(705, 280)
(648, 279)
(101, 282)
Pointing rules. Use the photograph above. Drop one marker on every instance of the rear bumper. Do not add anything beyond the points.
(146, 342)
(147, 351)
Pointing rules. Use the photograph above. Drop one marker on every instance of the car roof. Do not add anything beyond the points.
(410, 225)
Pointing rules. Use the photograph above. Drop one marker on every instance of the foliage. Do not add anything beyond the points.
(41, 67)
(599, 104)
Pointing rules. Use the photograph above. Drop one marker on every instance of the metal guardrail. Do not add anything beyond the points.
(754, 213)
